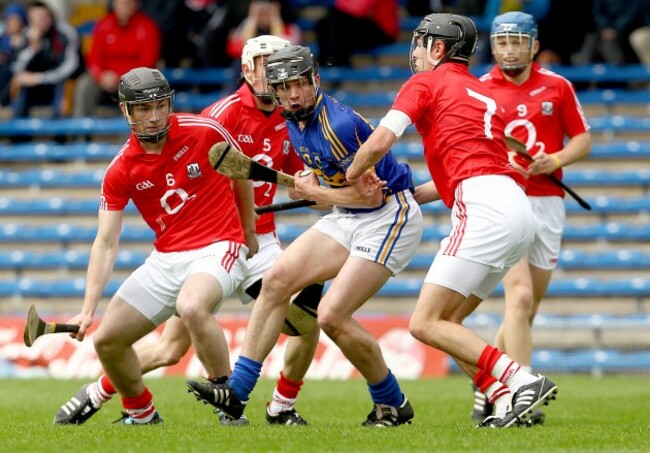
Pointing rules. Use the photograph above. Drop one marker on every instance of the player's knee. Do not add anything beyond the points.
(520, 302)
(422, 329)
(416, 329)
(105, 344)
(276, 285)
(330, 322)
(191, 313)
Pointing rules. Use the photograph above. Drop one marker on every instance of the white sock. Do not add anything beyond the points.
(510, 373)
(97, 395)
(499, 394)
(143, 415)
(527, 368)
(279, 404)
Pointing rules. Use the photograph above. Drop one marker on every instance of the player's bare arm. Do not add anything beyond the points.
(100, 266)
(426, 193)
(371, 152)
(578, 147)
(245, 198)
(309, 187)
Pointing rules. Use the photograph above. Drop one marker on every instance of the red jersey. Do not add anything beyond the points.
(120, 49)
(540, 112)
(384, 13)
(460, 124)
(182, 198)
(262, 138)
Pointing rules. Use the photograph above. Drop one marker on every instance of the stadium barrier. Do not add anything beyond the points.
(59, 356)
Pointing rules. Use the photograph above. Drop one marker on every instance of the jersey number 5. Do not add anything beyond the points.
(490, 110)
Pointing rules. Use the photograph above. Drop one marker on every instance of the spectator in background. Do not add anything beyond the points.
(125, 39)
(172, 17)
(11, 40)
(265, 17)
(211, 45)
(609, 43)
(558, 48)
(200, 12)
(49, 57)
(373, 22)
(640, 37)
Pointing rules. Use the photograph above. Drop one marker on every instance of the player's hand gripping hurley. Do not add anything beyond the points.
(234, 164)
(520, 148)
(35, 327)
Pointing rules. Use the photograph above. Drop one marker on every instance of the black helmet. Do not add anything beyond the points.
(458, 32)
(292, 63)
(142, 85)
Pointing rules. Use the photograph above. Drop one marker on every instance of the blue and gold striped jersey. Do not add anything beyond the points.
(330, 140)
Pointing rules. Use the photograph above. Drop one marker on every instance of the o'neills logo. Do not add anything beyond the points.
(508, 374)
(180, 153)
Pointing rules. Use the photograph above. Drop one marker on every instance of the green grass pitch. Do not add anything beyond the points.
(605, 414)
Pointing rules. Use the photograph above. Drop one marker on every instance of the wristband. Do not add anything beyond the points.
(556, 160)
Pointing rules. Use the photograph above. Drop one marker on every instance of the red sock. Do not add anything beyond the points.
(106, 386)
(288, 388)
(489, 358)
(140, 407)
(483, 380)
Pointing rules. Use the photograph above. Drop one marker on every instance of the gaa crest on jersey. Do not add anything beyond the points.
(547, 108)
(193, 170)
(306, 157)
(286, 146)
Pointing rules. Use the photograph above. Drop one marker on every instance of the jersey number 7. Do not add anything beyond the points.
(490, 110)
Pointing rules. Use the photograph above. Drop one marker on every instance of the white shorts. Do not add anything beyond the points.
(492, 226)
(152, 288)
(389, 236)
(262, 261)
(550, 214)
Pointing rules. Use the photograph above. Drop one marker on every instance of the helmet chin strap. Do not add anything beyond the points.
(153, 137)
(514, 72)
(265, 98)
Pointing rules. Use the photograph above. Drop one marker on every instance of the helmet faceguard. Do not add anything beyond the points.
(260, 46)
(146, 86)
(458, 33)
(289, 64)
(512, 38)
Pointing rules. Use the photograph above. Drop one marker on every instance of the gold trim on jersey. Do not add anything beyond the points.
(338, 150)
(395, 229)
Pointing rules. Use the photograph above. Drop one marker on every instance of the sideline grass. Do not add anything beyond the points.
(607, 414)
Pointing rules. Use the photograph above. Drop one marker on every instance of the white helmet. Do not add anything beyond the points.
(258, 47)
(261, 45)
